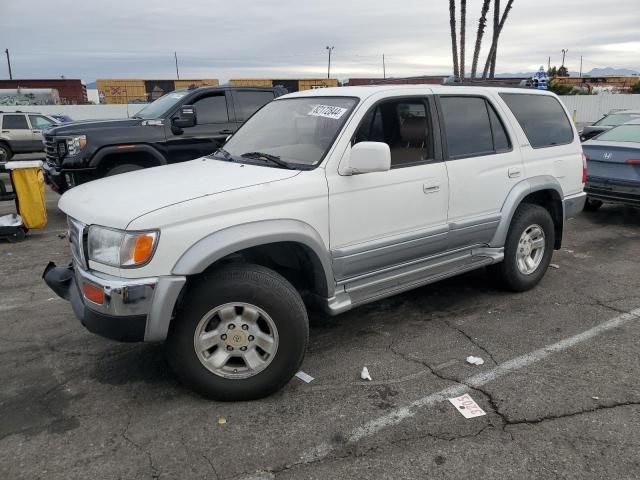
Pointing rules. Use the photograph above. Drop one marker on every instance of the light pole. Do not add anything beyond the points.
(6, 51)
(564, 52)
(329, 49)
(175, 55)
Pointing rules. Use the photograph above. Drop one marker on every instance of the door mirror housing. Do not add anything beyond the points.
(186, 117)
(366, 157)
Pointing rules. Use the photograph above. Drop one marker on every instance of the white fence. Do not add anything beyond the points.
(587, 108)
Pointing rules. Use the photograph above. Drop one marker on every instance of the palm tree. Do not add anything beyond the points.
(492, 57)
(454, 43)
(463, 27)
(481, 26)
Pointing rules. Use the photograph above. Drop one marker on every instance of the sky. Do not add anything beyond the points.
(288, 39)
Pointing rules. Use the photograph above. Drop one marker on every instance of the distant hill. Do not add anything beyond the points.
(91, 85)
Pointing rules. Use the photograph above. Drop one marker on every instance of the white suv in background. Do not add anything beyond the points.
(328, 198)
(21, 132)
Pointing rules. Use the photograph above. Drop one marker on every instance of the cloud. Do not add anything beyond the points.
(136, 39)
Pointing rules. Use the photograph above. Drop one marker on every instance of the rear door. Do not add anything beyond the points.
(213, 126)
(482, 164)
(247, 102)
(16, 128)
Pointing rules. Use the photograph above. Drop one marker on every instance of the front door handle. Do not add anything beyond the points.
(515, 172)
(226, 132)
(427, 189)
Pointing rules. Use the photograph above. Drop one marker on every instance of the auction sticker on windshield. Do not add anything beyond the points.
(328, 111)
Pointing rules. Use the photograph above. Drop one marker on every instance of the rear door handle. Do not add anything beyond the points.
(515, 172)
(427, 189)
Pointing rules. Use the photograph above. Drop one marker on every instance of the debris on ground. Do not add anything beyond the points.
(305, 377)
(222, 421)
(554, 265)
(62, 235)
(595, 398)
(475, 360)
(467, 406)
(364, 374)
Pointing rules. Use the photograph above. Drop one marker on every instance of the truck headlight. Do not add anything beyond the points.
(119, 248)
(76, 144)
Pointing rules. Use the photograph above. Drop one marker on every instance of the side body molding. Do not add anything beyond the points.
(136, 148)
(517, 193)
(239, 237)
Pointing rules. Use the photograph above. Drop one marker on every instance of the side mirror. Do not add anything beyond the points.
(366, 157)
(186, 117)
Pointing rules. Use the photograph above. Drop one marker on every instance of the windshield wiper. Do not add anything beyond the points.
(267, 156)
(225, 155)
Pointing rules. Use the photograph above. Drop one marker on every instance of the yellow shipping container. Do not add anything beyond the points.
(210, 82)
(251, 82)
(121, 91)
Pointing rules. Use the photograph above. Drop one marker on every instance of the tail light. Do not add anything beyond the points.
(633, 161)
(584, 168)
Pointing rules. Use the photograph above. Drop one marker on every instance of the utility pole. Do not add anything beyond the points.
(384, 69)
(329, 49)
(6, 51)
(175, 55)
(549, 67)
(580, 65)
(564, 52)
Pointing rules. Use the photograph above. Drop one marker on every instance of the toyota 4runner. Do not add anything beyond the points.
(325, 199)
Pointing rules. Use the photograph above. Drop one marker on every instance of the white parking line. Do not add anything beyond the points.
(402, 413)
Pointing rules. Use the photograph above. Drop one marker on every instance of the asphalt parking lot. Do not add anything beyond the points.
(559, 384)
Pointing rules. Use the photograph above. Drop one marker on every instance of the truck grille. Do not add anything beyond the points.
(76, 239)
(54, 149)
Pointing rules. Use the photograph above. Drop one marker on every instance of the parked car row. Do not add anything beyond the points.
(21, 132)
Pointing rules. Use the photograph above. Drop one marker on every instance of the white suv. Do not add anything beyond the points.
(328, 198)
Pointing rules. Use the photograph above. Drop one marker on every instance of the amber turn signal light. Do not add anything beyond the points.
(93, 294)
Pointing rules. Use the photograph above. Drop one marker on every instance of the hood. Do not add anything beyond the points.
(118, 200)
(82, 126)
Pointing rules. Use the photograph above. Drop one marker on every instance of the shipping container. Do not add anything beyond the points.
(292, 85)
(120, 91)
(71, 91)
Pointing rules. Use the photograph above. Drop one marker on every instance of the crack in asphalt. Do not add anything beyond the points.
(154, 471)
(471, 339)
(206, 458)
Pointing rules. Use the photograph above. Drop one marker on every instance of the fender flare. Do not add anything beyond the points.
(134, 148)
(514, 199)
(224, 242)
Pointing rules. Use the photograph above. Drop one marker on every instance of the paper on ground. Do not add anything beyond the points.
(364, 374)
(475, 360)
(304, 376)
(467, 406)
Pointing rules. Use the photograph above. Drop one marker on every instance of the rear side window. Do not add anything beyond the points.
(541, 117)
(212, 110)
(14, 122)
(472, 127)
(247, 102)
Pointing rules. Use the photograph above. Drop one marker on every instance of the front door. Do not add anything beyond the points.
(38, 124)
(382, 219)
(213, 126)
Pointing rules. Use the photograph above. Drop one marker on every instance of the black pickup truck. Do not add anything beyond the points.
(179, 126)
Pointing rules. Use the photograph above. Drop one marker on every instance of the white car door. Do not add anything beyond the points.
(382, 219)
(483, 164)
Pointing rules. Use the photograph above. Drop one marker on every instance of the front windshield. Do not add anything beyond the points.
(623, 133)
(298, 130)
(161, 106)
(616, 119)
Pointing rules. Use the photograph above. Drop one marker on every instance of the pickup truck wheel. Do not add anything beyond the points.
(242, 334)
(592, 205)
(124, 168)
(5, 153)
(528, 249)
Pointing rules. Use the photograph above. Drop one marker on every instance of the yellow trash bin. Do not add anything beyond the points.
(28, 182)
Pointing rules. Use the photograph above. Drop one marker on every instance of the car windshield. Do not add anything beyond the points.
(297, 130)
(623, 133)
(161, 106)
(616, 119)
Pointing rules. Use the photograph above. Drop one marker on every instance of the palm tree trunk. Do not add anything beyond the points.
(491, 58)
(481, 26)
(463, 34)
(454, 41)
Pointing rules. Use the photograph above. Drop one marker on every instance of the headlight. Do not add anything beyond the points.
(76, 144)
(119, 248)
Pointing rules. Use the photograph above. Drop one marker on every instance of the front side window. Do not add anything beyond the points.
(212, 109)
(297, 130)
(38, 122)
(402, 124)
(14, 122)
(542, 118)
(248, 102)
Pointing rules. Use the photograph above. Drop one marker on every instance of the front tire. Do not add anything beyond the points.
(242, 334)
(5, 153)
(528, 249)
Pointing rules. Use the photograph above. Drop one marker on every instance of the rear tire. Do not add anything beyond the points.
(124, 168)
(591, 205)
(528, 249)
(239, 309)
(5, 153)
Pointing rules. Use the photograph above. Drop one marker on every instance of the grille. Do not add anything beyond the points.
(76, 239)
(54, 149)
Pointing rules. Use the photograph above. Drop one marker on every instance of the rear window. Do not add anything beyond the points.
(542, 118)
(616, 119)
(623, 133)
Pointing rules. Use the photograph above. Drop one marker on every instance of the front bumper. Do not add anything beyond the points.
(615, 191)
(134, 310)
(54, 177)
